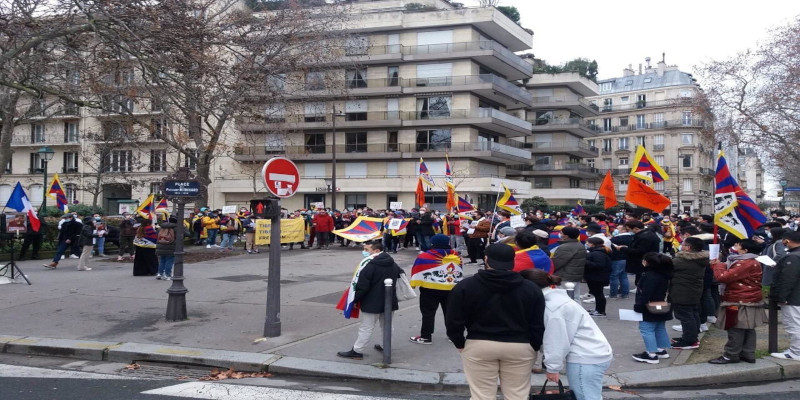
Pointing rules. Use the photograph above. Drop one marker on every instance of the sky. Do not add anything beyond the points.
(621, 32)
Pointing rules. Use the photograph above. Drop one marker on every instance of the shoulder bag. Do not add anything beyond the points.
(547, 395)
(404, 289)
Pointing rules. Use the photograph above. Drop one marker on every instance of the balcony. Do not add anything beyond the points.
(707, 171)
(69, 170)
(582, 171)
(486, 118)
(576, 148)
(385, 151)
(575, 126)
(574, 104)
(48, 140)
(573, 80)
(311, 122)
(639, 105)
(372, 55)
(341, 88)
(486, 52)
(673, 124)
(490, 86)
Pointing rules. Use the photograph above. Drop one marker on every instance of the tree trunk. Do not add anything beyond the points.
(203, 174)
(7, 129)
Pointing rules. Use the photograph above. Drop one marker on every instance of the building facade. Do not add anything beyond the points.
(750, 174)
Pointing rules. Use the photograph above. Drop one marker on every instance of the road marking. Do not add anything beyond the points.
(219, 391)
(18, 371)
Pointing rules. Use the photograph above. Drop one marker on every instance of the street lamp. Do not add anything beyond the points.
(333, 158)
(45, 154)
(782, 202)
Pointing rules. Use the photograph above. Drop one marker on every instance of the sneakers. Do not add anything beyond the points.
(681, 345)
(677, 328)
(208, 246)
(73, 256)
(420, 340)
(645, 357)
(595, 313)
(84, 269)
(703, 328)
(785, 356)
(158, 277)
(52, 265)
(351, 354)
(586, 296)
(662, 354)
(166, 278)
(590, 300)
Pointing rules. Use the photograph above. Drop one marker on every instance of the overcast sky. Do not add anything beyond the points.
(621, 32)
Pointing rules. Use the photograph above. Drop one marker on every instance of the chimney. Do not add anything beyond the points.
(640, 68)
(647, 60)
(661, 67)
(628, 71)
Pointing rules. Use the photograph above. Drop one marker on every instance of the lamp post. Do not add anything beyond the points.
(333, 158)
(45, 154)
(783, 183)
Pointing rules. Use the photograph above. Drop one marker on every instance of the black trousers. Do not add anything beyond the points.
(31, 240)
(429, 302)
(690, 320)
(596, 289)
(409, 239)
(475, 249)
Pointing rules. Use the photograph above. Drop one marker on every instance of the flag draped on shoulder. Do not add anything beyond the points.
(533, 258)
(56, 191)
(644, 167)
(19, 201)
(148, 208)
(608, 191)
(347, 302)
(508, 202)
(451, 187)
(644, 196)
(437, 269)
(734, 211)
(424, 174)
(362, 229)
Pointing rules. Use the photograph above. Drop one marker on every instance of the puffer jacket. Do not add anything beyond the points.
(742, 281)
(689, 270)
(569, 259)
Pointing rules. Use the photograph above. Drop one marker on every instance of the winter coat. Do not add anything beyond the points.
(569, 259)
(249, 225)
(126, 228)
(87, 234)
(323, 223)
(370, 290)
(482, 229)
(786, 281)
(598, 265)
(211, 223)
(496, 305)
(425, 224)
(688, 275)
(775, 251)
(69, 230)
(623, 239)
(742, 281)
(652, 287)
(232, 226)
(645, 241)
(166, 249)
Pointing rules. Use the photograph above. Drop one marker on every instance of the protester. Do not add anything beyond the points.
(424, 230)
(596, 272)
(165, 248)
(323, 225)
(503, 316)
(126, 234)
(211, 224)
(32, 238)
(569, 335)
(100, 233)
(249, 226)
(86, 242)
(644, 241)
(619, 285)
(68, 234)
(653, 286)
(785, 291)
(686, 291)
(507, 235)
(741, 310)
(230, 232)
(776, 251)
(569, 259)
(530, 255)
(145, 261)
(478, 233)
(435, 272)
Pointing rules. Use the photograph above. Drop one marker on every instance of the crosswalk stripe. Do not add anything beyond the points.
(18, 371)
(219, 391)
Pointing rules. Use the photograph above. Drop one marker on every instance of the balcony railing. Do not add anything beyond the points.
(554, 167)
(638, 105)
(462, 80)
(372, 148)
(41, 141)
(373, 50)
(556, 100)
(673, 124)
(563, 122)
(576, 145)
(443, 48)
(474, 113)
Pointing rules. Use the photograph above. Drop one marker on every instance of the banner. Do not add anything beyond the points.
(292, 231)
(362, 229)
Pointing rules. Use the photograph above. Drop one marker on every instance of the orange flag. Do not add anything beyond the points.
(420, 193)
(607, 191)
(644, 196)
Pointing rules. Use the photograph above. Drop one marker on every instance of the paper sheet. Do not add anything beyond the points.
(629, 315)
(713, 252)
(766, 260)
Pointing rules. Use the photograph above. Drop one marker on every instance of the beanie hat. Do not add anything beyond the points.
(440, 241)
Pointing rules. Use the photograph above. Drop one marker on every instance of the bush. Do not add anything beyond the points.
(510, 11)
(87, 210)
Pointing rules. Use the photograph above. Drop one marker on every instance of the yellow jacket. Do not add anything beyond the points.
(211, 223)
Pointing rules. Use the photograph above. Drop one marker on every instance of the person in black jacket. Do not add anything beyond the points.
(67, 236)
(596, 272)
(424, 229)
(686, 291)
(370, 294)
(86, 242)
(34, 238)
(619, 285)
(503, 315)
(653, 286)
(644, 241)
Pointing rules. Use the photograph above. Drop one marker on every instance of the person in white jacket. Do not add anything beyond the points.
(571, 334)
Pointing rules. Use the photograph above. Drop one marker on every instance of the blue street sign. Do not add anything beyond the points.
(792, 189)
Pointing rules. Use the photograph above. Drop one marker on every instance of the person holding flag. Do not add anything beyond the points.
(452, 201)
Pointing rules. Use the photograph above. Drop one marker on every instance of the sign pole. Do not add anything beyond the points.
(272, 325)
(176, 304)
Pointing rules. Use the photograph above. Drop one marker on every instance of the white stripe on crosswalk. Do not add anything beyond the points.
(219, 391)
(18, 371)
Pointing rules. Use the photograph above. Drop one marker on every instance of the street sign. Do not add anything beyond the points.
(181, 188)
(281, 177)
(792, 189)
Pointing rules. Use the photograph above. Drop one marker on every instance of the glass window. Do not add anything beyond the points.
(543, 183)
(623, 121)
(623, 143)
(640, 140)
(392, 141)
(275, 113)
(687, 138)
(687, 161)
(393, 76)
(591, 143)
(8, 166)
(606, 145)
(70, 132)
(606, 163)
(687, 118)
(355, 110)
(605, 86)
(119, 161)
(37, 163)
(357, 45)
(659, 160)
(574, 183)
(158, 160)
(315, 112)
(659, 186)
(356, 78)
(155, 187)
(543, 160)
(315, 143)
(623, 161)
(434, 107)
(70, 162)
(433, 140)
(590, 162)
(71, 192)
(658, 140)
(355, 200)
(606, 124)
(277, 83)
(543, 117)
(37, 133)
(190, 162)
(315, 80)
(355, 142)
(687, 184)
(640, 124)
(641, 101)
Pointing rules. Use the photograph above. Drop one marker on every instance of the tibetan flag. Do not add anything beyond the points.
(555, 236)
(583, 236)
(578, 210)
(347, 301)
(508, 202)
(162, 205)
(403, 228)
(644, 196)
(56, 191)
(362, 229)
(533, 258)
(644, 167)
(19, 202)
(148, 208)
(608, 191)
(424, 174)
(451, 187)
(464, 206)
(437, 269)
(419, 194)
(733, 209)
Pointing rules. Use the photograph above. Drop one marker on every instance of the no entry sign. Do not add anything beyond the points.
(281, 177)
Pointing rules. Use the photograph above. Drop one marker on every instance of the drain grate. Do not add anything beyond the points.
(241, 278)
(167, 371)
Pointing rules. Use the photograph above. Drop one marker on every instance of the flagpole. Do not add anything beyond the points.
(714, 215)
(491, 227)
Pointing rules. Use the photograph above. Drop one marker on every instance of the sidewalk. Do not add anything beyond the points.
(108, 314)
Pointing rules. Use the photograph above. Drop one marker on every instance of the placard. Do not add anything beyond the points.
(127, 208)
(15, 223)
(713, 252)
(396, 205)
(517, 221)
(395, 223)
(317, 205)
(229, 209)
(292, 231)
(629, 315)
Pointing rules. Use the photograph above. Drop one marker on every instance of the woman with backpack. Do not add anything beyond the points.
(165, 249)
(145, 261)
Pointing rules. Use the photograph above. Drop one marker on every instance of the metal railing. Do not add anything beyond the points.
(41, 141)
(556, 100)
(440, 48)
(561, 145)
(563, 122)
(461, 80)
(342, 149)
(555, 167)
(638, 105)
(474, 113)
(673, 124)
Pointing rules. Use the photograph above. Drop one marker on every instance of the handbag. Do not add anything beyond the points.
(561, 395)
(404, 289)
(658, 307)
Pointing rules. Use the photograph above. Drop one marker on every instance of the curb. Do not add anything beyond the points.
(684, 375)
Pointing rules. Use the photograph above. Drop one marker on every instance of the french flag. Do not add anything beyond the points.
(19, 202)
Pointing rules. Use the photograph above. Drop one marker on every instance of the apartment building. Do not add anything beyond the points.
(654, 108)
(558, 171)
(750, 174)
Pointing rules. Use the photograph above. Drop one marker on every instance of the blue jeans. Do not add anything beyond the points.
(586, 380)
(101, 245)
(227, 240)
(165, 264)
(62, 248)
(212, 236)
(619, 279)
(654, 335)
(424, 241)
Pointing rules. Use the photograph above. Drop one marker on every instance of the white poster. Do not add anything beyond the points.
(229, 210)
(517, 221)
(396, 205)
(713, 252)
(126, 208)
(317, 205)
(395, 223)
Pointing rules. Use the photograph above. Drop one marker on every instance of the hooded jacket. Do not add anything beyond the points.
(496, 305)
(569, 259)
(786, 282)
(598, 265)
(686, 287)
(87, 232)
(571, 333)
(644, 241)
(370, 291)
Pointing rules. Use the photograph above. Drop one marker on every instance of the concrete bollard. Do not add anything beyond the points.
(387, 321)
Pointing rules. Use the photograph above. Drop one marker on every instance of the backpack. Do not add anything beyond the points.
(166, 236)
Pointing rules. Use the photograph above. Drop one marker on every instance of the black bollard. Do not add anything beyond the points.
(773, 327)
(387, 321)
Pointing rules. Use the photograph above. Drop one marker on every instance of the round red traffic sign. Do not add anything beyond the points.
(281, 177)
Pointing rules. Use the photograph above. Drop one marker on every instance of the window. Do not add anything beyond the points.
(623, 185)
(71, 192)
(158, 160)
(687, 184)
(156, 104)
(70, 162)
(355, 200)
(608, 104)
(574, 183)
(543, 117)
(606, 124)
(543, 183)
(543, 160)
(315, 80)
(439, 74)
(687, 118)
(315, 112)
(315, 143)
(310, 198)
(590, 162)
(275, 113)
(393, 75)
(659, 160)
(659, 186)
(155, 187)
(392, 108)
(624, 99)
(158, 127)
(119, 161)
(277, 83)
(114, 131)
(687, 139)
(640, 124)
(191, 162)
(37, 133)
(623, 121)
(640, 141)
(355, 110)
(606, 163)
(274, 142)
(119, 104)
(658, 120)
(356, 78)
(357, 45)
(70, 132)
(434, 107)
(605, 86)
(591, 143)
(606, 145)
(658, 142)
(392, 141)
(641, 101)
(433, 140)
(687, 161)
(73, 77)
(8, 166)
(629, 82)
(623, 161)
(623, 143)
(36, 164)
(391, 198)
(355, 142)
(391, 168)
(648, 80)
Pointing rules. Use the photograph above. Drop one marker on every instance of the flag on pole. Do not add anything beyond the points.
(508, 202)
(56, 191)
(147, 208)
(608, 191)
(19, 202)
(424, 174)
(578, 210)
(420, 192)
(644, 196)
(733, 209)
(162, 205)
(464, 206)
(451, 187)
(644, 167)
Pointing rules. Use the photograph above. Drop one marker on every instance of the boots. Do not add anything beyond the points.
(52, 265)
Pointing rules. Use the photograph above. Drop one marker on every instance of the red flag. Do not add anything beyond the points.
(420, 193)
(607, 191)
(644, 196)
